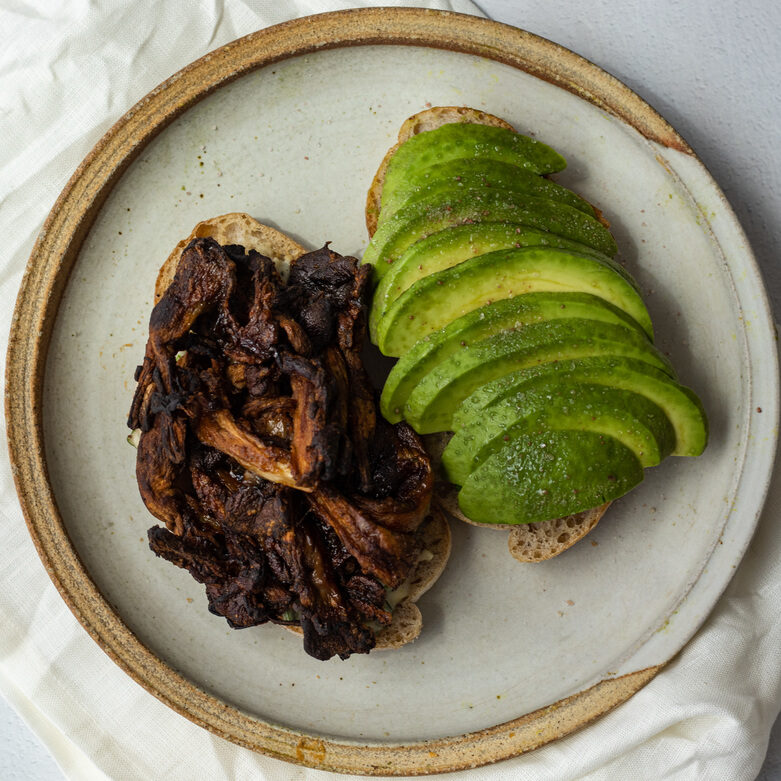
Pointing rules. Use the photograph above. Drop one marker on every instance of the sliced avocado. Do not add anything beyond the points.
(436, 397)
(499, 316)
(452, 246)
(554, 405)
(458, 141)
(434, 301)
(679, 403)
(422, 218)
(537, 477)
(462, 174)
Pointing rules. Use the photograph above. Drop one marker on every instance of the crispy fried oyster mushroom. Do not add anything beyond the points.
(261, 450)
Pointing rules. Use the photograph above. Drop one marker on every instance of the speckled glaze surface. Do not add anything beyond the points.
(289, 125)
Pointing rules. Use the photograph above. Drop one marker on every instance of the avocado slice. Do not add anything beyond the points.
(459, 141)
(422, 218)
(452, 246)
(434, 301)
(552, 474)
(680, 404)
(436, 397)
(553, 405)
(460, 334)
(462, 174)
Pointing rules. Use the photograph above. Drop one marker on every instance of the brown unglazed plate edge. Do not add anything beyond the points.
(46, 276)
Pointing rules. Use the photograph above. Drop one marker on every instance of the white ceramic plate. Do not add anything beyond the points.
(295, 144)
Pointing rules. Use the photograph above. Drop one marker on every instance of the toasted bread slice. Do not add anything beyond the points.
(234, 228)
(430, 119)
(544, 540)
(240, 228)
(407, 620)
(528, 542)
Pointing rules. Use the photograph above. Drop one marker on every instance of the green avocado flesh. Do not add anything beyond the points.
(454, 245)
(434, 400)
(481, 323)
(462, 174)
(422, 218)
(549, 475)
(459, 141)
(553, 405)
(434, 301)
(681, 406)
(516, 329)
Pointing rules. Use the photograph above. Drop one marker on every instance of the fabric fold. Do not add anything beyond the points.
(708, 714)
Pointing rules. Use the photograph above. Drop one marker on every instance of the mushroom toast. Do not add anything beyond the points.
(260, 447)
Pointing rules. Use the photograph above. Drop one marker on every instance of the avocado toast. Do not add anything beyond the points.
(517, 330)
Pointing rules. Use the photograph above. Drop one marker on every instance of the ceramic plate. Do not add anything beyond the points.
(289, 124)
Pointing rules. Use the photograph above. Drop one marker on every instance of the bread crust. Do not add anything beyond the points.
(546, 539)
(234, 228)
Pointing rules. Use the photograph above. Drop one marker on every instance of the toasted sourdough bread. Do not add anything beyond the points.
(528, 542)
(239, 228)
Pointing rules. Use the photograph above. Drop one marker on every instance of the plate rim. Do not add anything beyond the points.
(46, 276)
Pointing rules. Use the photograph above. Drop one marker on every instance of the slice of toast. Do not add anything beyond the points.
(430, 119)
(528, 542)
(240, 228)
(234, 228)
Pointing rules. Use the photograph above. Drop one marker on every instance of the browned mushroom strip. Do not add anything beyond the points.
(318, 444)
(220, 431)
(404, 475)
(204, 276)
(386, 554)
(157, 477)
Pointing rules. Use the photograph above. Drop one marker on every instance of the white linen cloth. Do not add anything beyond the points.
(68, 70)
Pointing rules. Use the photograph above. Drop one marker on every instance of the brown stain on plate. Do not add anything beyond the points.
(46, 276)
(310, 751)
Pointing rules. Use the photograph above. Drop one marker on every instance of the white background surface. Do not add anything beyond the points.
(710, 70)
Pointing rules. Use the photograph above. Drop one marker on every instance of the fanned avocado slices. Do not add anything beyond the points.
(452, 246)
(547, 475)
(431, 405)
(422, 218)
(554, 405)
(434, 301)
(680, 404)
(469, 173)
(458, 141)
(515, 327)
(460, 334)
